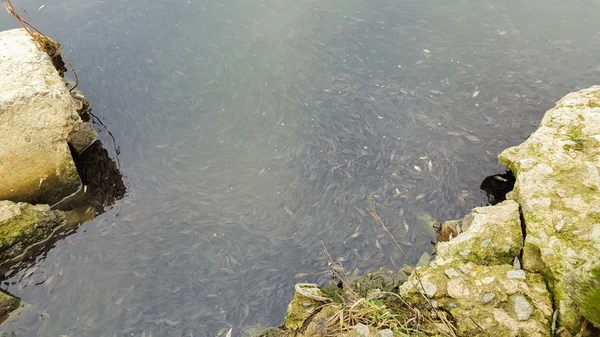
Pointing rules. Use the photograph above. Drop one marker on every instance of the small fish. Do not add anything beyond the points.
(476, 93)
(42, 6)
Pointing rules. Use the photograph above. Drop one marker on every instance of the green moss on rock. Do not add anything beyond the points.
(22, 225)
(8, 303)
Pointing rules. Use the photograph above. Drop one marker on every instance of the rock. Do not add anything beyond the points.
(22, 225)
(583, 285)
(320, 323)
(424, 259)
(385, 333)
(557, 186)
(522, 307)
(298, 311)
(451, 273)
(485, 296)
(493, 236)
(488, 297)
(426, 288)
(449, 230)
(516, 274)
(8, 303)
(38, 118)
(83, 138)
(362, 330)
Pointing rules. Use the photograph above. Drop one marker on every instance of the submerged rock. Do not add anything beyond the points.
(22, 225)
(38, 119)
(8, 303)
(558, 188)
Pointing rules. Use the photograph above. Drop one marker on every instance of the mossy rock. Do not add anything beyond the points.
(558, 188)
(22, 225)
(584, 288)
(8, 303)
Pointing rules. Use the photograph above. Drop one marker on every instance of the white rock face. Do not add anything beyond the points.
(38, 118)
(558, 188)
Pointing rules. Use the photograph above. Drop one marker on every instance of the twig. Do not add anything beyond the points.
(42, 40)
(373, 211)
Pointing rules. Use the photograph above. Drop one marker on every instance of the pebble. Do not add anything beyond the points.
(523, 308)
(488, 297)
(429, 288)
(362, 330)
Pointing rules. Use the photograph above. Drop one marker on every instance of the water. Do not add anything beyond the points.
(250, 134)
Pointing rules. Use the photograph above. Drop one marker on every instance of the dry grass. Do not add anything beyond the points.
(375, 303)
(52, 48)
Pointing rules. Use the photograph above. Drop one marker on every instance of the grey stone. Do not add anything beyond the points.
(362, 330)
(522, 307)
(385, 333)
(487, 297)
(427, 288)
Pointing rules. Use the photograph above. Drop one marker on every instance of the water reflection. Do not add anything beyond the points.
(251, 133)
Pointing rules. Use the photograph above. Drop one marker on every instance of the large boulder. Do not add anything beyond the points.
(558, 188)
(38, 119)
(474, 280)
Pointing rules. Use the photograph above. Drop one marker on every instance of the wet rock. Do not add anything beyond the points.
(425, 259)
(8, 303)
(557, 186)
(493, 236)
(38, 118)
(22, 225)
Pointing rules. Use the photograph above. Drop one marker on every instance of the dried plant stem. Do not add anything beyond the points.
(49, 46)
(373, 212)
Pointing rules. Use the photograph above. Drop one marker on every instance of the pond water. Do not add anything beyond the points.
(250, 134)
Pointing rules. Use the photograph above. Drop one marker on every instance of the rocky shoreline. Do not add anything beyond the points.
(528, 266)
(44, 124)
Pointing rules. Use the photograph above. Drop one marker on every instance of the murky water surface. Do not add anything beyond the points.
(250, 134)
